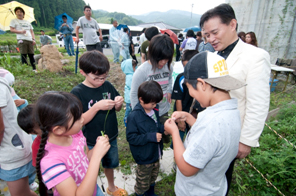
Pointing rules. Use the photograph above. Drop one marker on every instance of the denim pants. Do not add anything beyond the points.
(68, 40)
(127, 112)
(116, 51)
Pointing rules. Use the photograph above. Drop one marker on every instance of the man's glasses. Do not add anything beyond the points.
(101, 79)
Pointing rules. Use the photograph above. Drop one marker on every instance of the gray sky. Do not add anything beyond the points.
(138, 7)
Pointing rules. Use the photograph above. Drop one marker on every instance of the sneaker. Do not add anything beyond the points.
(35, 70)
(34, 186)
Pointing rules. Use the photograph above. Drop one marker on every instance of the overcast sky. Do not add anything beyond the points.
(138, 7)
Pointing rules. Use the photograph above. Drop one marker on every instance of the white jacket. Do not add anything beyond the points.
(251, 65)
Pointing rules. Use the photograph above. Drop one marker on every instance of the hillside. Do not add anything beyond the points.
(176, 18)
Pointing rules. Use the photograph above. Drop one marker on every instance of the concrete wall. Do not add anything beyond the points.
(273, 22)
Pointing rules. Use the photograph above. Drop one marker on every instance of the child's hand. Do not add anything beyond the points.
(102, 146)
(179, 116)
(182, 125)
(106, 104)
(158, 137)
(118, 101)
(170, 126)
(19, 102)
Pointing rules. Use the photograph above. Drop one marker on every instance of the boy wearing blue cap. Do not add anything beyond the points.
(213, 140)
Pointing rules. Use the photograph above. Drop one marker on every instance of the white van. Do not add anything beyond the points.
(60, 41)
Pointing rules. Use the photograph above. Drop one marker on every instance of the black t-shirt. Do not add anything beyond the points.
(88, 97)
(180, 92)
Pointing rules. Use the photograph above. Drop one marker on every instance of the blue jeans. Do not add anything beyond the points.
(110, 160)
(127, 112)
(99, 191)
(68, 40)
(116, 51)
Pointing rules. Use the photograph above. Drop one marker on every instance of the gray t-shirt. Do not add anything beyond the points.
(162, 76)
(89, 28)
(211, 144)
(15, 148)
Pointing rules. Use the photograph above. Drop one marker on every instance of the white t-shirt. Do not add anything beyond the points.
(15, 148)
(211, 145)
(142, 38)
(190, 44)
(89, 28)
(22, 25)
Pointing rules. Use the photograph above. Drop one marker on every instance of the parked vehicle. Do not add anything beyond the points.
(60, 41)
(105, 41)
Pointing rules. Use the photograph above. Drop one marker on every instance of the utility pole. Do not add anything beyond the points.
(191, 14)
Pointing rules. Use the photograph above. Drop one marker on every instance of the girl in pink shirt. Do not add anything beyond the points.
(63, 160)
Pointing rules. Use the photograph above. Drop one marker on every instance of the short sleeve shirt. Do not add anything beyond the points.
(180, 92)
(210, 145)
(22, 25)
(89, 28)
(144, 48)
(62, 162)
(88, 97)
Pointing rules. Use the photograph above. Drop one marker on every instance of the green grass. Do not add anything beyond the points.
(274, 158)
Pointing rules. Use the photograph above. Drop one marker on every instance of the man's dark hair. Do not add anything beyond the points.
(160, 48)
(188, 54)
(94, 62)
(150, 92)
(125, 29)
(180, 35)
(86, 6)
(19, 8)
(151, 32)
(25, 119)
(64, 16)
(198, 33)
(224, 11)
(190, 33)
(41, 30)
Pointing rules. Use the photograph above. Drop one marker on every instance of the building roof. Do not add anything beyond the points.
(159, 25)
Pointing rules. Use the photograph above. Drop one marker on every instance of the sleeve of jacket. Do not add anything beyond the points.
(70, 27)
(257, 99)
(138, 78)
(134, 137)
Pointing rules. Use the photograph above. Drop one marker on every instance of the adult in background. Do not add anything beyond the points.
(115, 41)
(90, 28)
(251, 38)
(190, 42)
(205, 45)
(142, 39)
(24, 35)
(180, 40)
(66, 29)
(246, 63)
(125, 41)
(242, 35)
(44, 39)
(198, 39)
(149, 34)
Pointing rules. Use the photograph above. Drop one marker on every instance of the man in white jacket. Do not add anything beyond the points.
(246, 63)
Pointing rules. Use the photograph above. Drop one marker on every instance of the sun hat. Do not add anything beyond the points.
(212, 68)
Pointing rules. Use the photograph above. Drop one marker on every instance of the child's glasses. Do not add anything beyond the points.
(101, 79)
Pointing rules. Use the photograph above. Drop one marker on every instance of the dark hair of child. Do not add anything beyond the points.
(54, 109)
(25, 119)
(161, 47)
(151, 32)
(190, 33)
(134, 63)
(94, 62)
(150, 92)
(125, 29)
(188, 54)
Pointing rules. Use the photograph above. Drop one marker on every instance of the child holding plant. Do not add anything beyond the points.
(100, 101)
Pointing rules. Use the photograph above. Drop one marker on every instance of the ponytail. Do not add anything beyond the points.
(42, 187)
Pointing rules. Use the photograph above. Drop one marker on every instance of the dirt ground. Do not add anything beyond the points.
(117, 77)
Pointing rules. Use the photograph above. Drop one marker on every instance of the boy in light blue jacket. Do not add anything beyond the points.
(128, 67)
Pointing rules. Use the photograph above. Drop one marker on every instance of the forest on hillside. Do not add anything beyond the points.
(46, 10)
